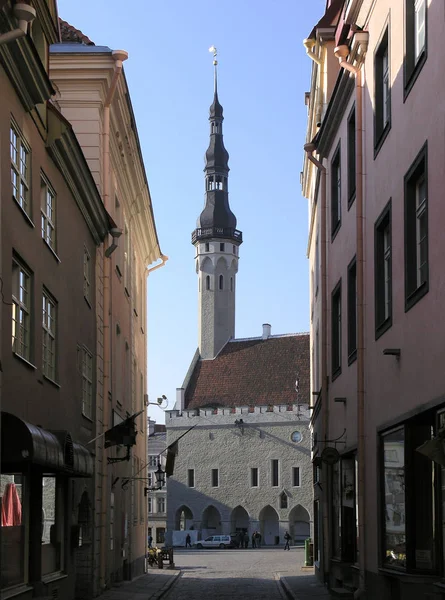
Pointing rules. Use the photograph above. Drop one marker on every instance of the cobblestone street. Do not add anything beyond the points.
(223, 574)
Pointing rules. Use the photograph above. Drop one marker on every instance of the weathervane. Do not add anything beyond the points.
(215, 64)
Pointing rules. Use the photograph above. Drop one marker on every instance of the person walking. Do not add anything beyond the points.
(150, 541)
(254, 539)
(287, 538)
(188, 541)
(246, 539)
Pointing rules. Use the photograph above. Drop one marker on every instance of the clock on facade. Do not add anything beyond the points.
(296, 436)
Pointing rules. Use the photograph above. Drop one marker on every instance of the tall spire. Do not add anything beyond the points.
(215, 70)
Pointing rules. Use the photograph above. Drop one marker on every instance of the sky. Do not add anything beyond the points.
(263, 72)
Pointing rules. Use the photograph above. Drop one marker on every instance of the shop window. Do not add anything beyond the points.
(410, 516)
(52, 530)
(344, 528)
(13, 530)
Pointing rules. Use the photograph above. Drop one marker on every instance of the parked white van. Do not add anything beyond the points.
(216, 541)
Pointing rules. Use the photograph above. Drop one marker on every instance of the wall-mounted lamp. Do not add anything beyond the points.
(24, 14)
(343, 400)
(392, 352)
(160, 480)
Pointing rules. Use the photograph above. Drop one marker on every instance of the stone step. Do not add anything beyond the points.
(341, 592)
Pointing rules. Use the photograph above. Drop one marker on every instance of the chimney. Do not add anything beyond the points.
(180, 399)
(266, 331)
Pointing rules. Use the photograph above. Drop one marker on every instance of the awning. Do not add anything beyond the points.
(22, 443)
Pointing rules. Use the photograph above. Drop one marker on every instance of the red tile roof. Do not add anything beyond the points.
(253, 372)
(330, 18)
(71, 34)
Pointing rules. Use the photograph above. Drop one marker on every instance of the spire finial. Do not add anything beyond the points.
(215, 64)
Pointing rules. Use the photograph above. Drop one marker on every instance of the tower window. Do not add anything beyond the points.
(231, 284)
(222, 247)
(208, 282)
(234, 249)
(221, 282)
(218, 183)
(207, 247)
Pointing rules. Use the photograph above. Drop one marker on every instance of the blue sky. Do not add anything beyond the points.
(263, 74)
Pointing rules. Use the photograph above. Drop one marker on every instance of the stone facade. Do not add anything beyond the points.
(216, 443)
(156, 499)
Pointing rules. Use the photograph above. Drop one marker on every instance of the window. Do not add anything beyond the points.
(383, 272)
(231, 284)
(153, 460)
(207, 247)
(160, 535)
(13, 534)
(416, 230)
(207, 282)
(317, 266)
(21, 310)
(274, 473)
(344, 530)
(254, 477)
(352, 311)
(336, 331)
(335, 193)
(150, 479)
(86, 274)
(52, 525)
(221, 282)
(415, 40)
(221, 247)
(283, 500)
(48, 213)
(150, 505)
(411, 518)
(234, 249)
(382, 91)
(351, 158)
(49, 322)
(191, 478)
(161, 505)
(20, 169)
(111, 520)
(215, 478)
(296, 476)
(87, 381)
(127, 260)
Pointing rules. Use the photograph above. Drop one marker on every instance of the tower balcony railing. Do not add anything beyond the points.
(203, 233)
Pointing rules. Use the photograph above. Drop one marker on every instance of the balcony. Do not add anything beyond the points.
(217, 232)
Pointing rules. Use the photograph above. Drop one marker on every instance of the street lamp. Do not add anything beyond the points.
(159, 478)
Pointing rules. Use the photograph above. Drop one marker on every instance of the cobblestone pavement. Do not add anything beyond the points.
(234, 574)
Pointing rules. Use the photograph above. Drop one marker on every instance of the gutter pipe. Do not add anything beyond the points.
(341, 52)
(24, 14)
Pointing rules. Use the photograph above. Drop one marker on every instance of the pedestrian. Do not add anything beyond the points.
(150, 541)
(258, 539)
(188, 541)
(254, 539)
(287, 538)
(246, 539)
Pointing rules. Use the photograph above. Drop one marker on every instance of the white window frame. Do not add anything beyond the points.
(21, 310)
(48, 213)
(150, 504)
(153, 460)
(160, 504)
(421, 229)
(87, 382)
(419, 28)
(86, 274)
(49, 330)
(20, 155)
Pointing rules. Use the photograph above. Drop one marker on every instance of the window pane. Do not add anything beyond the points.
(13, 530)
(394, 499)
(51, 526)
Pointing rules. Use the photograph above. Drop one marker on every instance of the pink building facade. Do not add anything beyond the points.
(373, 175)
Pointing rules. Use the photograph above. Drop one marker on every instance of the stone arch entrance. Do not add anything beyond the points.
(84, 551)
(269, 526)
(211, 521)
(299, 524)
(183, 518)
(239, 520)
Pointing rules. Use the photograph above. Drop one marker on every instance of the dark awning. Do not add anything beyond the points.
(22, 443)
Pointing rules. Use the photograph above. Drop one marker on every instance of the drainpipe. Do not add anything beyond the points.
(161, 264)
(119, 56)
(309, 44)
(24, 14)
(309, 149)
(341, 52)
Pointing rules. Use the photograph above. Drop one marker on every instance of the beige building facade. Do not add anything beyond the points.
(373, 176)
(93, 94)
